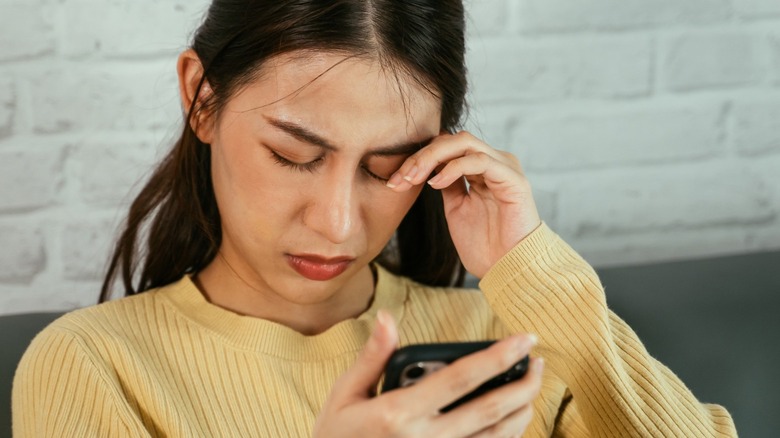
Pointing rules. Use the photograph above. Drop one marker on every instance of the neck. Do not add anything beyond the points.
(233, 286)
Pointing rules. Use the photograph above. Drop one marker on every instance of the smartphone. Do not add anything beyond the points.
(410, 364)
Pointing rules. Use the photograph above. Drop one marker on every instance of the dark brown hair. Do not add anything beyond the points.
(173, 226)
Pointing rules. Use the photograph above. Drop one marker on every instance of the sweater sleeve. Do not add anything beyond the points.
(59, 391)
(617, 389)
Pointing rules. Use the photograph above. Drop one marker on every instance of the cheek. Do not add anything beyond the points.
(389, 208)
(253, 197)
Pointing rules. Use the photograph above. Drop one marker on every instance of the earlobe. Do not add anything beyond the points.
(190, 72)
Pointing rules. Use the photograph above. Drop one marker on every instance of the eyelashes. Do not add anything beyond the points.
(373, 175)
(312, 166)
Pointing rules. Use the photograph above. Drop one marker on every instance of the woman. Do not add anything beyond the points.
(319, 189)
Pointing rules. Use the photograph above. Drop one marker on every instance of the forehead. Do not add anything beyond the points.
(337, 92)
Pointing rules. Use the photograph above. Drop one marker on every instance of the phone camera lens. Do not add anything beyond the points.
(415, 372)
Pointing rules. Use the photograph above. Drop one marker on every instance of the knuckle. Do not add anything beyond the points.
(389, 421)
(511, 158)
(492, 412)
(461, 382)
(508, 358)
(484, 158)
(425, 156)
(526, 185)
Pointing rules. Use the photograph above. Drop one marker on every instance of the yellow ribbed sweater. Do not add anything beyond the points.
(168, 363)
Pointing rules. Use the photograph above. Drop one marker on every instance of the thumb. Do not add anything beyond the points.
(361, 380)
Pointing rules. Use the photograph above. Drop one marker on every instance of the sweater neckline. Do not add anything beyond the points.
(268, 337)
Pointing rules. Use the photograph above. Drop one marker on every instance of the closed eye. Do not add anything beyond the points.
(379, 166)
(375, 176)
(310, 166)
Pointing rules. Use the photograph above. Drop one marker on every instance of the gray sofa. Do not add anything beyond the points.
(714, 322)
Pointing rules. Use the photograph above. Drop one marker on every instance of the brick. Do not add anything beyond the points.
(755, 127)
(7, 106)
(86, 249)
(29, 179)
(663, 199)
(509, 69)
(546, 203)
(563, 15)
(712, 60)
(110, 97)
(757, 8)
(486, 17)
(620, 137)
(660, 246)
(26, 31)
(47, 295)
(767, 236)
(775, 51)
(766, 169)
(494, 123)
(128, 27)
(109, 174)
(22, 254)
(764, 238)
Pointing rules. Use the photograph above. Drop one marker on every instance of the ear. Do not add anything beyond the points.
(190, 72)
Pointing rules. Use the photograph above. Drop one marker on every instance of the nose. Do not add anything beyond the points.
(333, 210)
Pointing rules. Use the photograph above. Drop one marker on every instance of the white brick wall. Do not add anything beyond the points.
(621, 135)
(649, 128)
(708, 60)
(549, 16)
(27, 30)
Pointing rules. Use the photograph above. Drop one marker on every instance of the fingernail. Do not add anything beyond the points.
(394, 181)
(435, 180)
(539, 364)
(382, 317)
(533, 338)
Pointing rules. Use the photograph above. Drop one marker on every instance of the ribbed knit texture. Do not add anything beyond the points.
(169, 363)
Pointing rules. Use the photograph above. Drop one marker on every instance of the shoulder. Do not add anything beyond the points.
(78, 362)
(95, 331)
(111, 318)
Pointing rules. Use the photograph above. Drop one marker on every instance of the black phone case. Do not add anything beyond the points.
(448, 353)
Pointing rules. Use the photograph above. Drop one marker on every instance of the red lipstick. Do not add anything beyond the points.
(318, 268)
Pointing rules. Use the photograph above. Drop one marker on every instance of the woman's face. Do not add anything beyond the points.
(300, 158)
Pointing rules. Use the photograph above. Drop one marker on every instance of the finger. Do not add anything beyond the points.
(495, 174)
(418, 167)
(467, 373)
(453, 192)
(490, 410)
(513, 425)
(361, 380)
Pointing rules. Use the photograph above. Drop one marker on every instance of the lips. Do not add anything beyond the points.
(318, 268)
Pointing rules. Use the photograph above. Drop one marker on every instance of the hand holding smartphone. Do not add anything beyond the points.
(410, 364)
(354, 409)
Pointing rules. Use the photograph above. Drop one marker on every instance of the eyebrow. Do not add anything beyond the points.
(305, 135)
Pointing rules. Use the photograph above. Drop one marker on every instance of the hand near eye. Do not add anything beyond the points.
(488, 217)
